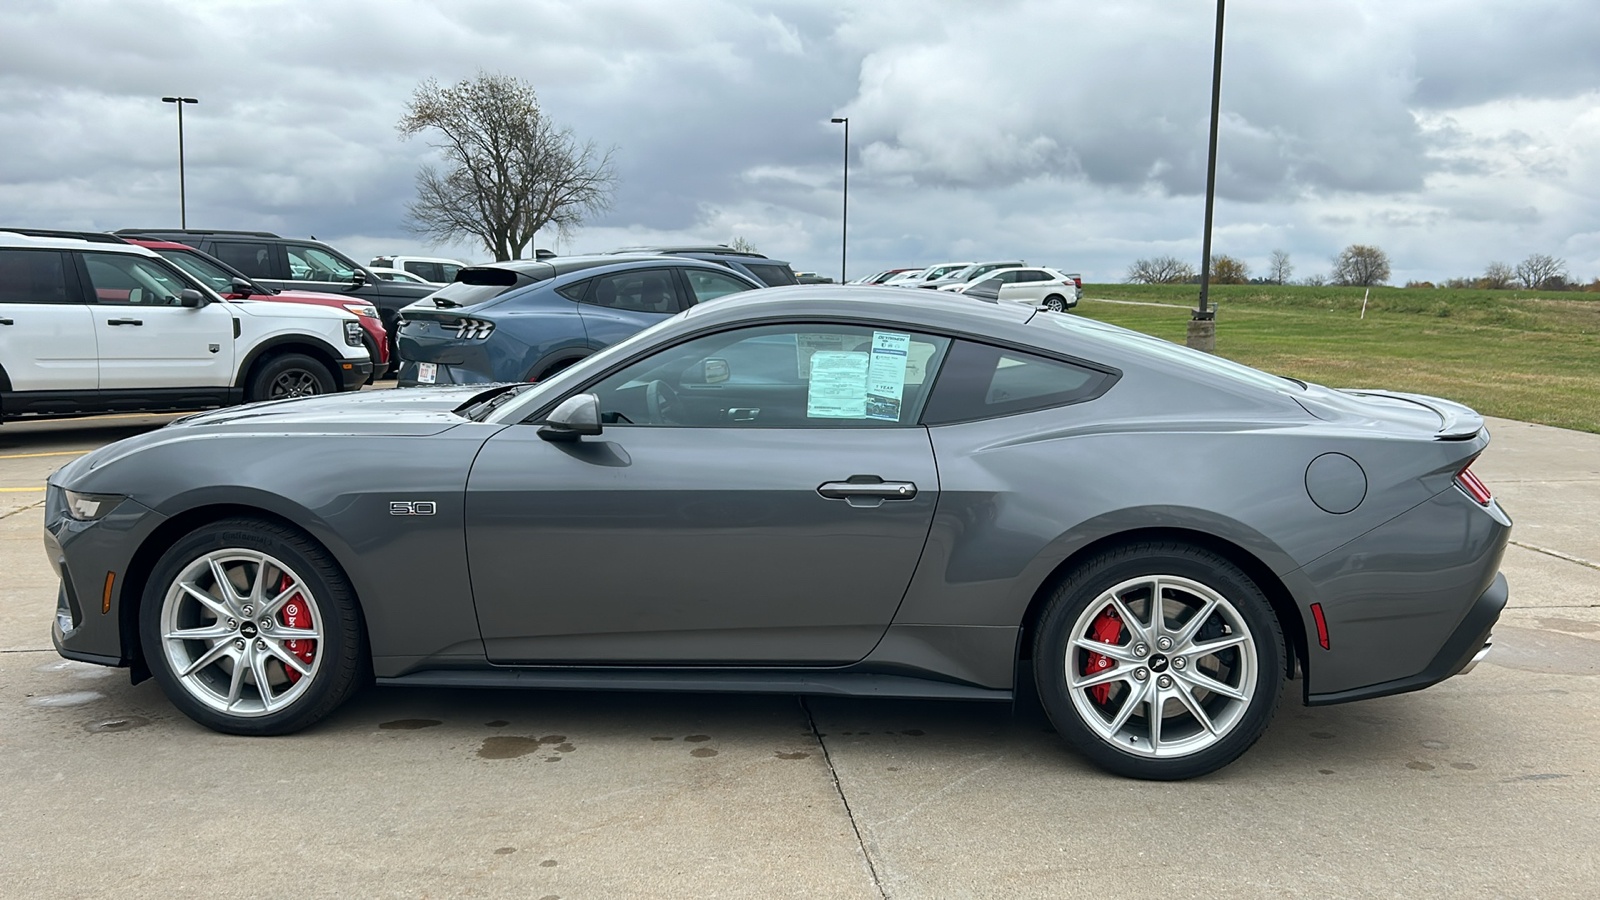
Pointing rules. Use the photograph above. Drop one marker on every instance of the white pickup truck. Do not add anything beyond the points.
(90, 326)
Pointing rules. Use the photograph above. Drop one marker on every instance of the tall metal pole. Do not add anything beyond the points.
(844, 219)
(1202, 324)
(183, 199)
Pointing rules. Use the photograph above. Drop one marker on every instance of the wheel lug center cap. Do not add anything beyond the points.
(247, 629)
(1159, 663)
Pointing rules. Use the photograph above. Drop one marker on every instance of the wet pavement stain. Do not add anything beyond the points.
(703, 752)
(663, 739)
(1546, 652)
(497, 723)
(409, 724)
(512, 747)
(1436, 745)
(565, 748)
(1420, 766)
(73, 698)
(799, 754)
(1465, 767)
(549, 864)
(116, 724)
(1324, 771)
(505, 851)
(913, 732)
(697, 738)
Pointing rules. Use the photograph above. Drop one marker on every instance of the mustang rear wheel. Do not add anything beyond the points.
(250, 628)
(1159, 661)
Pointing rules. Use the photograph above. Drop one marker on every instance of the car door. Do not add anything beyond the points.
(47, 338)
(1022, 286)
(146, 338)
(618, 304)
(757, 496)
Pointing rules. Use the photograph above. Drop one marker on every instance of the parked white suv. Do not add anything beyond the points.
(90, 327)
(1034, 286)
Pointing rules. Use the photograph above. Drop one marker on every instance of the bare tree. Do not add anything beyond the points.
(1496, 276)
(1279, 268)
(740, 244)
(1228, 270)
(1315, 279)
(1541, 270)
(1361, 265)
(509, 171)
(1159, 270)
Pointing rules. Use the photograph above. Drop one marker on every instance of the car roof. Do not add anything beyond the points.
(266, 234)
(950, 310)
(719, 249)
(160, 245)
(49, 242)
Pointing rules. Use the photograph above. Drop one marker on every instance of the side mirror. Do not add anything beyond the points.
(358, 279)
(242, 287)
(575, 417)
(191, 298)
(716, 371)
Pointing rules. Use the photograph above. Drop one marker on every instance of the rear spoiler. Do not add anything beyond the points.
(1456, 422)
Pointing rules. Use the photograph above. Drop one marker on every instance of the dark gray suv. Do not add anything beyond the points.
(770, 272)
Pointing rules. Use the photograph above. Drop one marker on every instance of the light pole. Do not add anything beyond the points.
(183, 200)
(1203, 324)
(844, 220)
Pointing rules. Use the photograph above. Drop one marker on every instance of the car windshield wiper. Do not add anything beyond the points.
(479, 407)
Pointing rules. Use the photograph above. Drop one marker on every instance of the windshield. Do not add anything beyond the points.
(213, 275)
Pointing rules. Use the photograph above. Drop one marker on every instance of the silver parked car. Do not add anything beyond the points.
(814, 490)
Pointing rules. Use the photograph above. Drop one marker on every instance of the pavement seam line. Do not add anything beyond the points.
(872, 868)
(1556, 553)
(34, 505)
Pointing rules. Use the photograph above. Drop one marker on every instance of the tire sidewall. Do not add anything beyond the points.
(1060, 304)
(1086, 584)
(261, 384)
(342, 645)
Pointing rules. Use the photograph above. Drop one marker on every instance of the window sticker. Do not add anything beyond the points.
(807, 343)
(837, 384)
(886, 375)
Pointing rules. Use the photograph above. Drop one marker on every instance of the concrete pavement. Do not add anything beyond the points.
(1484, 785)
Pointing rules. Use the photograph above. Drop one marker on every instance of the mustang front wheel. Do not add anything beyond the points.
(251, 628)
(1159, 661)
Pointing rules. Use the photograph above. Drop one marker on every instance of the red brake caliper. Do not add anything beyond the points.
(295, 615)
(1106, 629)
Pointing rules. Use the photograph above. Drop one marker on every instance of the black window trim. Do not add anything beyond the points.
(537, 416)
(677, 286)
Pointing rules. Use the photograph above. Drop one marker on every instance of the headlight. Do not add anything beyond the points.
(89, 507)
(362, 309)
(352, 333)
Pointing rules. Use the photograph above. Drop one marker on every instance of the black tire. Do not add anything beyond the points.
(1055, 303)
(289, 375)
(372, 353)
(1195, 577)
(337, 662)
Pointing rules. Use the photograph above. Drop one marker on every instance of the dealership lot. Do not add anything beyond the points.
(1484, 785)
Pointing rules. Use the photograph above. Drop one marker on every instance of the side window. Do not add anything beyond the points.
(448, 270)
(254, 260)
(772, 275)
(637, 290)
(427, 271)
(1010, 277)
(315, 264)
(123, 278)
(575, 290)
(705, 284)
(981, 382)
(1031, 275)
(33, 276)
(779, 376)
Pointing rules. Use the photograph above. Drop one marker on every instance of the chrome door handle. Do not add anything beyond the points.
(124, 321)
(880, 490)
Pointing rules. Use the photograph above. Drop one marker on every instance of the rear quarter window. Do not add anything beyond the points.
(771, 275)
(32, 276)
(980, 381)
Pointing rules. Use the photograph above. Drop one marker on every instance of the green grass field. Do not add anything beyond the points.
(1528, 355)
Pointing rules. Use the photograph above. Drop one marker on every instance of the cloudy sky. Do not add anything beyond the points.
(1066, 132)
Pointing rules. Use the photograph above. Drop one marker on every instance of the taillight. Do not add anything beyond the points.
(1077, 282)
(1475, 489)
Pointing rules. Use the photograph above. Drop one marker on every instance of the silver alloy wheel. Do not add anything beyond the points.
(1179, 675)
(294, 383)
(224, 629)
(1055, 304)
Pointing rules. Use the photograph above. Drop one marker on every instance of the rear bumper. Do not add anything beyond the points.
(1464, 648)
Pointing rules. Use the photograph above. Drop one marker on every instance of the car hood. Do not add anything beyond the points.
(277, 309)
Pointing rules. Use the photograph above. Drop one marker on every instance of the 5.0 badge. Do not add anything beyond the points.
(413, 508)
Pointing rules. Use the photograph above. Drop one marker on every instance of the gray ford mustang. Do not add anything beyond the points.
(812, 491)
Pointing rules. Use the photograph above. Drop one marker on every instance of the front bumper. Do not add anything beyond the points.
(1466, 646)
(94, 620)
(354, 373)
